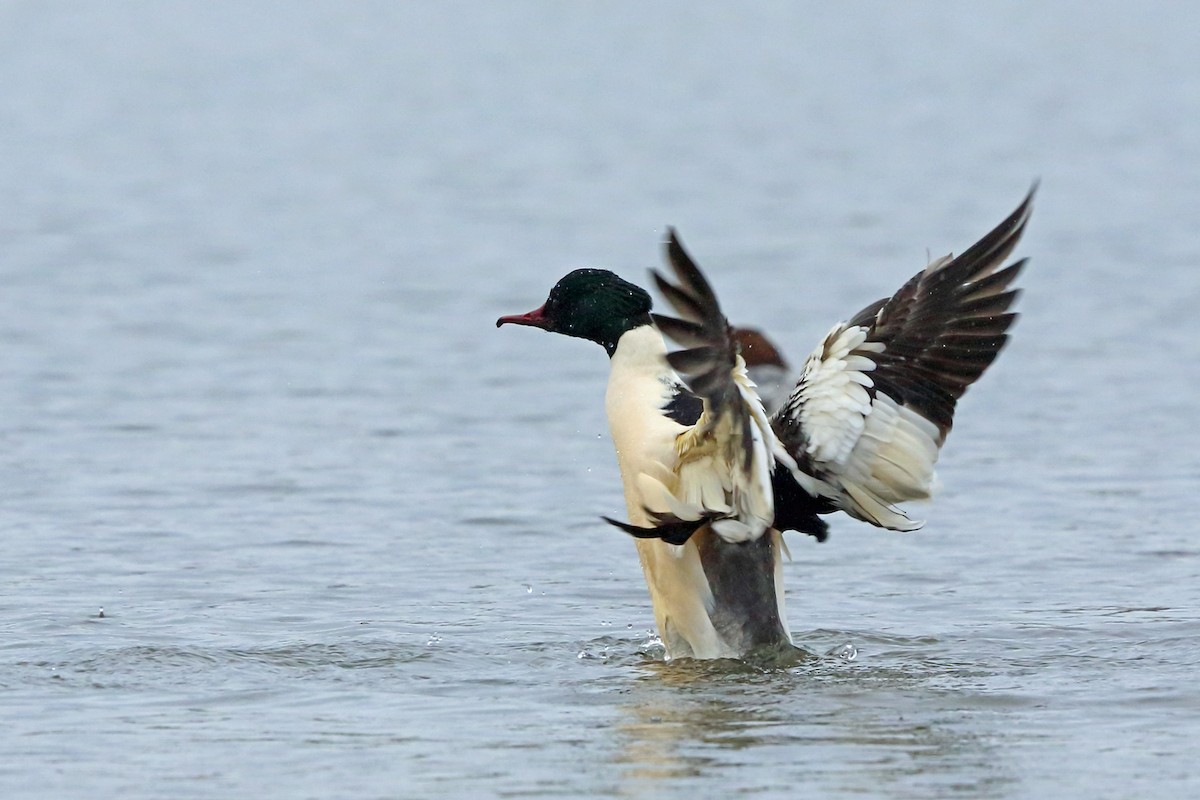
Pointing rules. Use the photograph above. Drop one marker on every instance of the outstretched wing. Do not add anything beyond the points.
(875, 401)
(723, 472)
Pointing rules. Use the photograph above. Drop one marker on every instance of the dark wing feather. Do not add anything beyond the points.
(701, 327)
(948, 323)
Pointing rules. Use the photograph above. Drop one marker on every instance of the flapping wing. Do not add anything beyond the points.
(875, 401)
(725, 459)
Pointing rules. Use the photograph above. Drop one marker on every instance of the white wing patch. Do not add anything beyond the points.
(870, 451)
(720, 473)
(832, 391)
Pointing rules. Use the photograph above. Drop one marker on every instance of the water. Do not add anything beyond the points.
(345, 535)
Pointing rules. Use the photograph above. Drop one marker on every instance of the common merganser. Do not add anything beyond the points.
(711, 481)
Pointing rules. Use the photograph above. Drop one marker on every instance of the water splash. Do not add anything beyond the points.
(845, 652)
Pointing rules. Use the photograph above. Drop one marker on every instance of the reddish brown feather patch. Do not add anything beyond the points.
(757, 350)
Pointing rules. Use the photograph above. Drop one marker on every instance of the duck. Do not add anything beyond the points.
(713, 477)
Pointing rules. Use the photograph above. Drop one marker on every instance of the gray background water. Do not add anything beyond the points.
(346, 534)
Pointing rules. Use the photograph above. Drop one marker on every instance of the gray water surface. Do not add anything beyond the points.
(346, 535)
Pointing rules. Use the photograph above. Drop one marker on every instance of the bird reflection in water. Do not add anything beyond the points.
(819, 724)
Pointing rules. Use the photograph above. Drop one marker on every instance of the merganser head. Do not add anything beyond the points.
(757, 350)
(592, 304)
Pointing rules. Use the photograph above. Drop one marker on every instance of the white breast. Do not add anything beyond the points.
(639, 387)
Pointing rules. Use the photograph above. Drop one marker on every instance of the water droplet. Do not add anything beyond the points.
(846, 652)
(433, 639)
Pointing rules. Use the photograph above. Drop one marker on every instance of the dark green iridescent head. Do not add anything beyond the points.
(591, 304)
